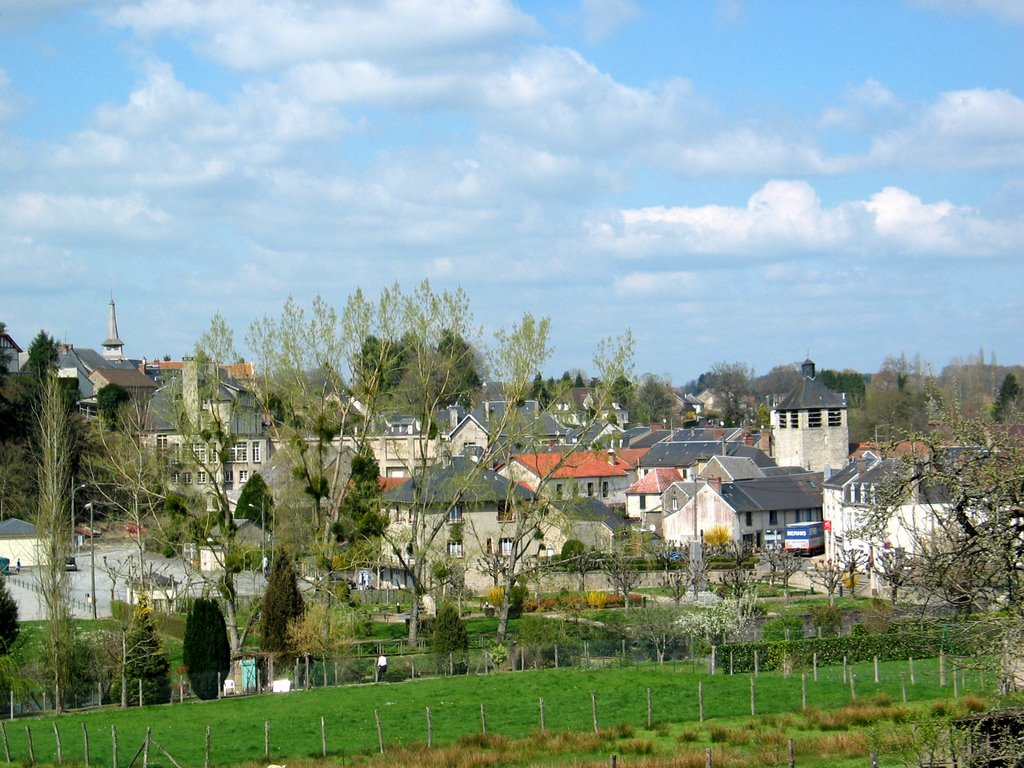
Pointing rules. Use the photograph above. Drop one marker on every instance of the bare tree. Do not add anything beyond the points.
(897, 567)
(782, 564)
(620, 566)
(56, 491)
(828, 574)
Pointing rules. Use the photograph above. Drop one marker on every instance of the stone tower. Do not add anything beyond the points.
(810, 426)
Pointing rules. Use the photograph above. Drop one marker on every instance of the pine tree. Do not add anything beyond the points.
(9, 627)
(451, 641)
(207, 654)
(282, 603)
(143, 658)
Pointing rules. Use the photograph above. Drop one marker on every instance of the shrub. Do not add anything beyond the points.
(597, 600)
(206, 653)
(783, 628)
(827, 619)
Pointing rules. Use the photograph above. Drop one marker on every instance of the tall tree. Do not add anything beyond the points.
(256, 502)
(1008, 403)
(653, 402)
(144, 662)
(56, 446)
(207, 654)
(732, 382)
(9, 627)
(282, 604)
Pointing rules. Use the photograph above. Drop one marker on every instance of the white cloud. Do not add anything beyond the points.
(79, 215)
(961, 129)
(1007, 10)
(787, 217)
(268, 35)
(602, 17)
(646, 284)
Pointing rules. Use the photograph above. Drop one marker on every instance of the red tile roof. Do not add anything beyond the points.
(577, 464)
(656, 481)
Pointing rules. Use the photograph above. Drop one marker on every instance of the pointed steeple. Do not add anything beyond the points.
(113, 347)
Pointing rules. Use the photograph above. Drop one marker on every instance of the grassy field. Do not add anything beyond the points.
(511, 702)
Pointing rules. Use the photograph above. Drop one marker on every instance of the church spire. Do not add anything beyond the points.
(113, 347)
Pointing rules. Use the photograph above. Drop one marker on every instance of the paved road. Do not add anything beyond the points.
(113, 562)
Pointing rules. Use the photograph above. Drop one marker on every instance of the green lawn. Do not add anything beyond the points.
(511, 700)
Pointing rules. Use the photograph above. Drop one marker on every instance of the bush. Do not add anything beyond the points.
(451, 641)
(827, 619)
(783, 628)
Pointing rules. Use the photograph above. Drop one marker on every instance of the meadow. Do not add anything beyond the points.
(588, 714)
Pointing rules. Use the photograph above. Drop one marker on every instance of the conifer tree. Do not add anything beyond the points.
(451, 641)
(282, 603)
(9, 627)
(207, 654)
(143, 658)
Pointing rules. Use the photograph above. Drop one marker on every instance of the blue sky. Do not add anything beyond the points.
(732, 180)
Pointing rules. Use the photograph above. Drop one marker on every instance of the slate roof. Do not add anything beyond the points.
(811, 393)
(778, 493)
(589, 509)
(461, 480)
(14, 526)
(737, 467)
(129, 378)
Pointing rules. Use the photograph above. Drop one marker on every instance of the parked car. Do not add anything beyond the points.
(70, 564)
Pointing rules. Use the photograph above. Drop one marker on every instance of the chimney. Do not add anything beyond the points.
(611, 456)
(715, 483)
(748, 439)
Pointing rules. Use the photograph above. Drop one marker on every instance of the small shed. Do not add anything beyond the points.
(19, 541)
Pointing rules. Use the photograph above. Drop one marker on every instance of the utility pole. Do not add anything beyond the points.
(92, 558)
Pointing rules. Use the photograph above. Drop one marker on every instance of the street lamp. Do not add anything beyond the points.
(92, 558)
(74, 492)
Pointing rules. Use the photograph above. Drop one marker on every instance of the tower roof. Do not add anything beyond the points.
(811, 393)
(112, 345)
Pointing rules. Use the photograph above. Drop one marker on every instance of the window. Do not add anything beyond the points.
(604, 489)
(175, 477)
(558, 490)
(240, 452)
(455, 549)
(199, 451)
(243, 476)
(200, 478)
(256, 453)
(749, 518)
(794, 419)
(229, 477)
(643, 501)
(490, 547)
(675, 503)
(505, 513)
(835, 417)
(506, 547)
(773, 517)
(161, 442)
(187, 478)
(590, 489)
(783, 419)
(814, 419)
(455, 514)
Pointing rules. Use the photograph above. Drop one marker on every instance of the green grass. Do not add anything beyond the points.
(512, 708)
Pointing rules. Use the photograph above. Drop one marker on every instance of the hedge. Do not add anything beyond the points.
(890, 646)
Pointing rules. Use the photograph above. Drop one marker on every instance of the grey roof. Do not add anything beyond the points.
(646, 438)
(682, 455)
(738, 467)
(775, 493)
(811, 393)
(461, 481)
(14, 526)
(588, 509)
(90, 360)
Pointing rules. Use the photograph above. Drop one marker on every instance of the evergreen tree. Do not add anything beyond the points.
(282, 603)
(207, 654)
(255, 502)
(451, 641)
(1009, 400)
(9, 627)
(360, 512)
(109, 401)
(143, 658)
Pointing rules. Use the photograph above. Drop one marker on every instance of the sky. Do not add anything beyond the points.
(755, 181)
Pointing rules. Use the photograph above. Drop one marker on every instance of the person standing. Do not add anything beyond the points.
(382, 667)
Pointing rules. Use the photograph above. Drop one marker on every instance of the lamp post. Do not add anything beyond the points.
(74, 492)
(92, 558)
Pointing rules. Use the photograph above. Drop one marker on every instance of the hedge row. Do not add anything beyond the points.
(891, 646)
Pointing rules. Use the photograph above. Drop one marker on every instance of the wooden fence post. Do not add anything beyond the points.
(85, 743)
(876, 670)
(593, 708)
(730, 661)
(380, 733)
(542, 729)
(113, 745)
(845, 670)
(942, 668)
(708, 763)
(700, 700)
(323, 733)
(815, 666)
(790, 754)
(430, 730)
(803, 690)
(145, 748)
(757, 663)
(31, 748)
(650, 709)
(714, 658)
(7, 748)
(140, 691)
(206, 748)
(903, 686)
(56, 739)
(483, 718)
(266, 739)
(753, 696)
(910, 661)
(853, 689)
